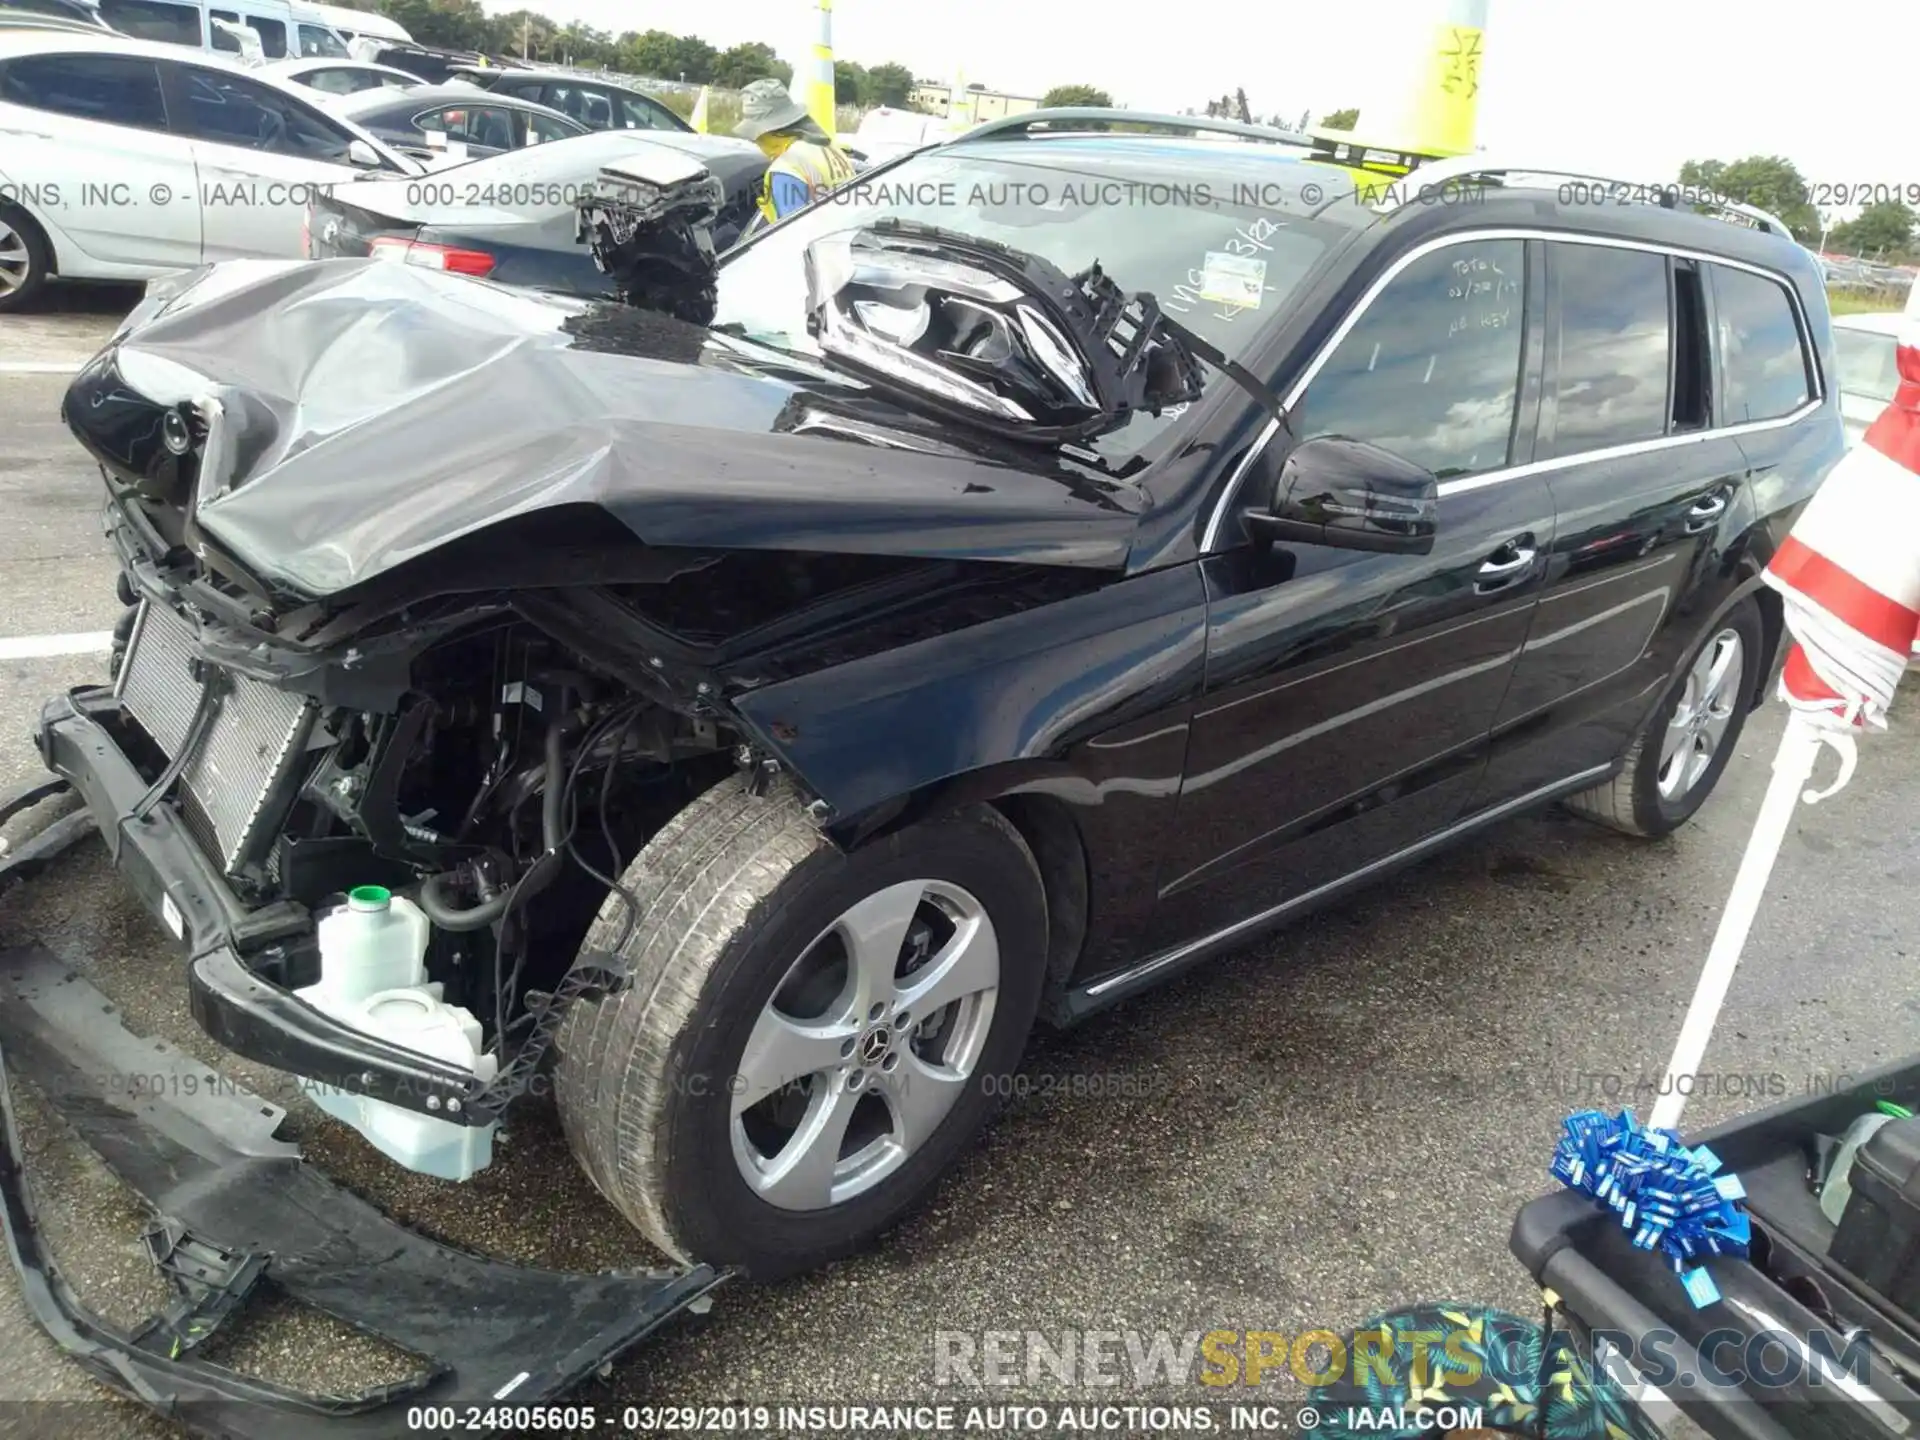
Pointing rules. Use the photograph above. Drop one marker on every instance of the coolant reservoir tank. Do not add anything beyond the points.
(418, 1019)
(376, 941)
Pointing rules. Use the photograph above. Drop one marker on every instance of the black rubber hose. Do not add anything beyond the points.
(433, 893)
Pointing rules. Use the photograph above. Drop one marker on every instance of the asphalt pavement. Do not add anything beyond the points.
(1336, 1121)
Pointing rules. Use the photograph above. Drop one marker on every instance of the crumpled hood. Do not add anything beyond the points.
(373, 411)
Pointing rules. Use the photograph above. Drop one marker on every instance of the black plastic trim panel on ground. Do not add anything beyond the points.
(200, 1151)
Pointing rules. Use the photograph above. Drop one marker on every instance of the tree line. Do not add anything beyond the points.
(659, 54)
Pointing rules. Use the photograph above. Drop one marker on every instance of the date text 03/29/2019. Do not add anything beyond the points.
(921, 1418)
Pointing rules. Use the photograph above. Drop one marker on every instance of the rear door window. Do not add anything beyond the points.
(273, 36)
(1762, 355)
(233, 110)
(1616, 347)
(639, 113)
(485, 125)
(154, 20)
(113, 89)
(538, 129)
(316, 41)
(1431, 369)
(338, 82)
(587, 105)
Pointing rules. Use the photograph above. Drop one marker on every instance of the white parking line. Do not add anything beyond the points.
(40, 367)
(43, 647)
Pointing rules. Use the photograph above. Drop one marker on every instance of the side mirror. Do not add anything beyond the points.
(1352, 496)
(363, 155)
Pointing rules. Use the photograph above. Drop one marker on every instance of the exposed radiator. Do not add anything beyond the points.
(255, 740)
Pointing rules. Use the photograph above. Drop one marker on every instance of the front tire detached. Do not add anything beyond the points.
(744, 974)
(1680, 754)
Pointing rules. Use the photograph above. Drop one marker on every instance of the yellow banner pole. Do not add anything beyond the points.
(1448, 99)
(818, 94)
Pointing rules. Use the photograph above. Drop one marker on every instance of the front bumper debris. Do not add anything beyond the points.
(238, 1007)
(238, 1209)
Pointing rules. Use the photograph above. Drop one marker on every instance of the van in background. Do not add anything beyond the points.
(286, 29)
(351, 25)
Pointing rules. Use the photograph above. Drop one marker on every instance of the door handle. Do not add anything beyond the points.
(1703, 513)
(1497, 574)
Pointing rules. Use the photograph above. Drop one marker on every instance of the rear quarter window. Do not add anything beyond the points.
(1762, 355)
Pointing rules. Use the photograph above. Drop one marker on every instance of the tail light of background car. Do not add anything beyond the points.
(433, 257)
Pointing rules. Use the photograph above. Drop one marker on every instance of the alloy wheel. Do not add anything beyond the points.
(16, 264)
(1699, 723)
(867, 1043)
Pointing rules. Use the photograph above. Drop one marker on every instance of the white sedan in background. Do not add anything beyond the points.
(1864, 346)
(124, 159)
(334, 78)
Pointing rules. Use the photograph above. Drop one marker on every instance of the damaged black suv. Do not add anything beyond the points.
(1064, 554)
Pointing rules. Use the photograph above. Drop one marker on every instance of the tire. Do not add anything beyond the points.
(25, 258)
(1648, 798)
(742, 899)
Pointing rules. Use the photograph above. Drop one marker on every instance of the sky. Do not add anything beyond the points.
(1631, 88)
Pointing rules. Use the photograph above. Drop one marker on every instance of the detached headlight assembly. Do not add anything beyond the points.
(992, 335)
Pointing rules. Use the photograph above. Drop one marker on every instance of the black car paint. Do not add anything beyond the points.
(523, 84)
(1330, 789)
(1283, 723)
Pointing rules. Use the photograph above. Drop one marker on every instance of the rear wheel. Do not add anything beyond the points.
(1677, 759)
(812, 1038)
(25, 258)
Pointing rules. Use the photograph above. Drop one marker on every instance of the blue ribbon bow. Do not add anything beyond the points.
(1667, 1196)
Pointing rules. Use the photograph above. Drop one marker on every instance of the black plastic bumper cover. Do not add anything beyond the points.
(243, 1011)
(201, 1151)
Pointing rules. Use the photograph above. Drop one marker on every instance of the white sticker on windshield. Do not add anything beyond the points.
(1229, 279)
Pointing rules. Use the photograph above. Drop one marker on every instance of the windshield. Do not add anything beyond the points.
(1868, 366)
(1221, 268)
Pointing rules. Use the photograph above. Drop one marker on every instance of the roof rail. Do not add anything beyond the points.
(1082, 119)
(1438, 174)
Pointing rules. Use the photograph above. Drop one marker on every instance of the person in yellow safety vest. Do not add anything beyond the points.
(806, 165)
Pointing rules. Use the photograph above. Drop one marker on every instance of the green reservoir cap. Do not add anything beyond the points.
(369, 897)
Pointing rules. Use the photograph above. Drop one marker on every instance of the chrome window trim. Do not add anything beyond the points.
(1210, 538)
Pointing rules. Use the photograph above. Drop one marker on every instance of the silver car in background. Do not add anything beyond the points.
(1864, 346)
